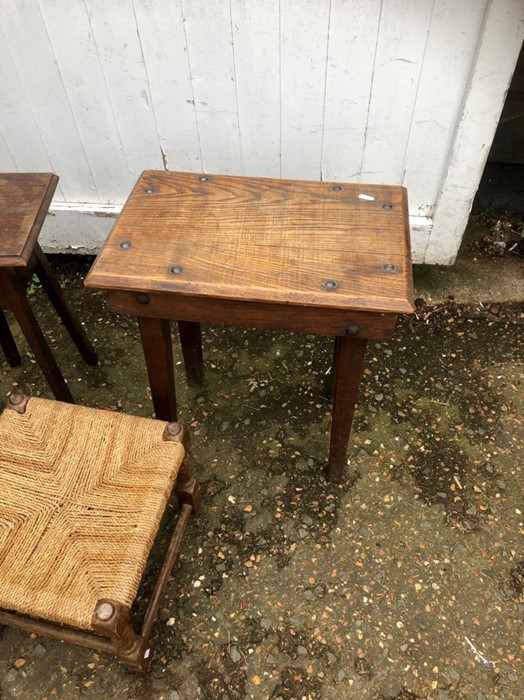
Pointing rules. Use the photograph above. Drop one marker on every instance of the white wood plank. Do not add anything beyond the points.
(118, 45)
(80, 68)
(163, 40)
(450, 53)
(400, 51)
(20, 130)
(28, 41)
(304, 45)
(256, 35)
(209, 43)
(7, 162)
(498, 50)
(352, 42)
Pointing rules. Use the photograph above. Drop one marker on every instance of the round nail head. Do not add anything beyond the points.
(150, 190)
(387, 206)
(330, 284)
(176, 270)
(337, 188)
(352, 330)
(389, 268)
(105, 611)
(16, 399)
(174, 429)
(142, 298)
(125, 245)
(203, 178)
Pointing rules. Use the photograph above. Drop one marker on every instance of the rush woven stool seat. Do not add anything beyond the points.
(83, 493)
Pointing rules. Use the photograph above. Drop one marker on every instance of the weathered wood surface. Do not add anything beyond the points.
(24, 202)
(261, 240)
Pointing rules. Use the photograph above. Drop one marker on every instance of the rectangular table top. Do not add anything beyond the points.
(323, 244)
(24, 202)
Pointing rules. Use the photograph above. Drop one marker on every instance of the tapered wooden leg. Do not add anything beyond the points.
(158, 353)
(57, 297)
(347, 371)
(41, 350)
(191, 342)
(7, 342)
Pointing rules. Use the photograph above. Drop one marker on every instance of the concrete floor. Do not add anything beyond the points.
(404, 581)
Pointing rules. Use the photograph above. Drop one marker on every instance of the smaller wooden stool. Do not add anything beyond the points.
(83, 492)
(24, 203)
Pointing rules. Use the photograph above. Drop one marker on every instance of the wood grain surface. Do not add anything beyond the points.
(24, 201)
(265, 240)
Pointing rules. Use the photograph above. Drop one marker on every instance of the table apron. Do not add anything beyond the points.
(230, 312)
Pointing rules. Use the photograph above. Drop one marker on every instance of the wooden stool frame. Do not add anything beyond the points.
(311, 257)
(20, 258)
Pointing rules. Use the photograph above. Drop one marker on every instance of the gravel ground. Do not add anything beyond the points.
(405, 581)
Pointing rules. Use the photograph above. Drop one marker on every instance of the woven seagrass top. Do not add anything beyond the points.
(83, 492)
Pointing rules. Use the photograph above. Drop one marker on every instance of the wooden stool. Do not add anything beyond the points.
(83, 492)
(315, 257)
(24, 203)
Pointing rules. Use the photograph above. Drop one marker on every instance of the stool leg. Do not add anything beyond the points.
(187, 487)
(347, 371)
(158, 353)
(7, 342)
(191, 342)
(57, 297)
(111, 619)
(41, 350)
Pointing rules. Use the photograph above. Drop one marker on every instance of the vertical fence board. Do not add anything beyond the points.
(162, 34)
(37, 70)
(402, 40)
(304, 45)
(7, 162)
(81, 70)
(256, 28)
(119, 48)
(450, 53)
(353, 36)
(209, 44)
(19, 127)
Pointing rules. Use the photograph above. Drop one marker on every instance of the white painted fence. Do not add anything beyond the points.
(380, 91)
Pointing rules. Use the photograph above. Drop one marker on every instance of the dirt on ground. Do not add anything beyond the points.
(403, 582)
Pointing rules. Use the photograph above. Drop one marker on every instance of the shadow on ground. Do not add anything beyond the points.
(405, 581)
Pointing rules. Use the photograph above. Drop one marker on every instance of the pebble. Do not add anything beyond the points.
(453, 674)
(40, 650)
(173, 695)
(459, 551)
(301, 650)
(235, 655)
(11, 675)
